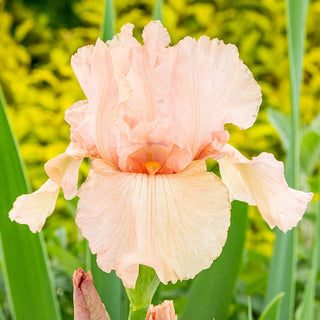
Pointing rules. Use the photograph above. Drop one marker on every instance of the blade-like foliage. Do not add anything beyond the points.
(250, 317)
(281, 122)
(310, 151)
(110, 289)
(107, 29)
(283, 264)
(25, 266)
(271, 311)
(157, 11)
(307, 310)
(212, 289)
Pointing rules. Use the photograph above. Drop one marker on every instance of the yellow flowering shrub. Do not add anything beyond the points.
(39, 84)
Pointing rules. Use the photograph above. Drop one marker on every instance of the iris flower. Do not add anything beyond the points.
(154, 113)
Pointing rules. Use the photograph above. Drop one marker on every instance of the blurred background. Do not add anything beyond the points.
(37, 40)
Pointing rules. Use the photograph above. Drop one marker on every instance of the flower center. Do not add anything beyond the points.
(152, 167)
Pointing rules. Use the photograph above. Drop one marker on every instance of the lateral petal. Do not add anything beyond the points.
(33, 209)
(261, 182)
(174, 223)
(63, 170)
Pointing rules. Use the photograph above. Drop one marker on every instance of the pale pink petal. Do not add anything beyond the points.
(148, 118)
(97, 76)
(214, 148)
(121, 46)
(33, 209)
(164, 311)
(179, 96)
(81, 63)
(174, 223)
(261, 181)
(64, 170)
(86, 300)
(210, 87)
(80, 117)
(155, 38)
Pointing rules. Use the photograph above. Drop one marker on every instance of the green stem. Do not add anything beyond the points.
(140, 297)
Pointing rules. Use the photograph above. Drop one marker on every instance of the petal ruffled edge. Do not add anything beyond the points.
(261, 182)
(174, 223)
(33, 209)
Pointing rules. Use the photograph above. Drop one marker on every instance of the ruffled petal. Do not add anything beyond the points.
(80, 118)
(148, 118)
(174, 223)
(210, 86)
(33, 209)
(164, 311)
(261, 181)
(98, 78)
(86, 300)
(64, 170)
(181, 96)
(81, 63)
(121, 46)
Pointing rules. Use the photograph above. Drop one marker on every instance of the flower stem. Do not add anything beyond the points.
(140, 297)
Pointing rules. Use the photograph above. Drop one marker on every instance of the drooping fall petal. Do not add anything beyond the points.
(164, 311)
(261, 182)
(162, 221)
(86, 300)
(63, 170)
(33, 209)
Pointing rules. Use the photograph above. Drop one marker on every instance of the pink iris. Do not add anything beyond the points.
(153, 114)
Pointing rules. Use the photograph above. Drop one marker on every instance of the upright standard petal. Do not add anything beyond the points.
(81, 120)
(86, 300)
(164, 311)
(96, 73)
(210, 86)
(33, 209)
(174, 223)
(261, 182)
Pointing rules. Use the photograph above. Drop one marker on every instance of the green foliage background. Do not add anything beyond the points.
(37, 39)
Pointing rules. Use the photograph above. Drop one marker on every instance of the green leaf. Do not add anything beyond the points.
(307, 308)
(107, 30)
(282, 269)
(281, 122)
(310, 151)
(110, 290)
(157, 11)
(271, 311)
(212, 289)
(283, 263)
(250, 317)
(25, 265)
(68, 262)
